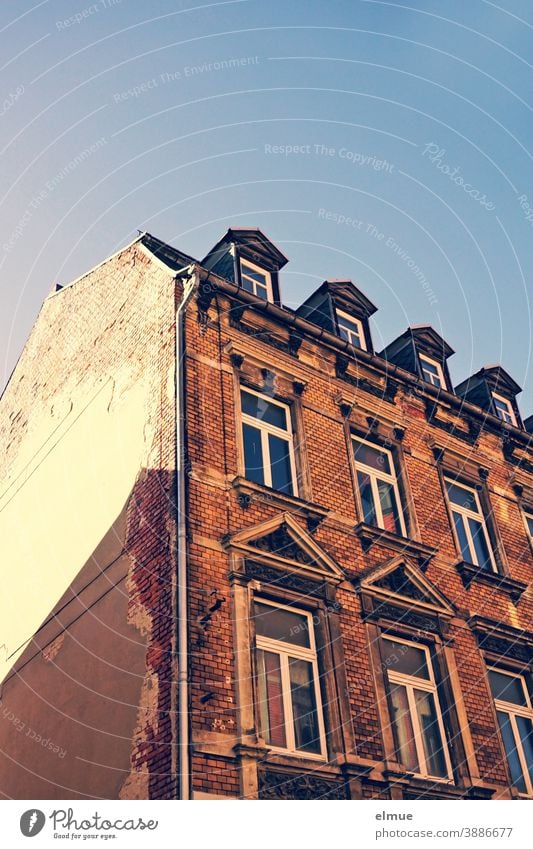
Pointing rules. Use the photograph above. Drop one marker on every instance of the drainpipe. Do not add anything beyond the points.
(191, 279)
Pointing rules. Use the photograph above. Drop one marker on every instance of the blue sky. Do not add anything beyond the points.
(385, 142)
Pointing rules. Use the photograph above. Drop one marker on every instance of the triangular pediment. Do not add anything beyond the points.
(287, 545)
(401, 581)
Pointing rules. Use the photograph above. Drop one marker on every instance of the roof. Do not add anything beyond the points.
(344, 293)
(495, 375)
(170, 256)
(254, 241)
(425, 337)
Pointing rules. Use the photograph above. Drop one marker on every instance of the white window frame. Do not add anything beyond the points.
(508, 406)
(411, 682)
(528, 517)
(349, 332)
(374, 475)
(442, 380)
(265, 429)
(470, 514)
(513, 710)
(266, 274)
(284, 651)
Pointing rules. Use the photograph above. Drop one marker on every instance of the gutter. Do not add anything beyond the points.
(191, 279)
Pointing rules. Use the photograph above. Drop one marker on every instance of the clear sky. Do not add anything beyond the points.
(385, 142)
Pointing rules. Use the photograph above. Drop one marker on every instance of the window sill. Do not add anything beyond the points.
(248, 491)
(370, 536)
(469, 573)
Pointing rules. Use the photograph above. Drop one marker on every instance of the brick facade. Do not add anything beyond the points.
(323, 559)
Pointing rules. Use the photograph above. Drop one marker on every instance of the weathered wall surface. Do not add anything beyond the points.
(86, 470)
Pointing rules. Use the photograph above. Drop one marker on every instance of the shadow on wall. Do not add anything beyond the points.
(92, 688)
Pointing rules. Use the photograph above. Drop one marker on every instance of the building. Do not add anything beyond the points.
(244, 555)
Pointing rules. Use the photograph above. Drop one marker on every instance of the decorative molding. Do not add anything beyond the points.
(370, 536)
(502, 640)
(421, 622)
(470, 436)
(404, 584)
(469, 573)
(236, 360)
(385, 392)
(295, 340)
(286, 579)
(303, 785)
(253, 356)
(248, 491)
(284, 545)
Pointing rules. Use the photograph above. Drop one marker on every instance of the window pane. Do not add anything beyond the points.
(262, 291)
(306, 733)
(371, 456)
(280, 464)
(350, 330)
(279, 624)
(367, 499)
(253, 454)
(260, 408)
(271, 715)
(402, 657)
(247, 284)
(529, 520)
(431, 736)
(480, 544)
(503, 410)
(462, 497)
(403, 728)
(389, 508)
(525, 730)
(430, 368)
(251, 272)
(461, 536)
(507, 688)
(517, 776)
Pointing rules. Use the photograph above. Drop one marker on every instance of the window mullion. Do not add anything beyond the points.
(440, 723)
(417, 731)
(399, 505)
(377, 501)
(287, 701)
(468, 533)
(267, 469)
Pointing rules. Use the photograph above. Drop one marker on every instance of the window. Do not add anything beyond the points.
(378, 486)
(513, 699)
(528, 516)
(288, 693)
(351, 329)
(470, 525)
(256, 281)
(416, 715)
(504, 409)
(432, 371)
(268, 442)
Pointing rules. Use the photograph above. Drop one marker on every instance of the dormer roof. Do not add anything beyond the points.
(426, 340)
(345, 295)
(252, 244)
(497, 379)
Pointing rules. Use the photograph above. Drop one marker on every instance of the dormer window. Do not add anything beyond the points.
(503, 409)
(432, 371)
(256, 280)
(351, 329)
